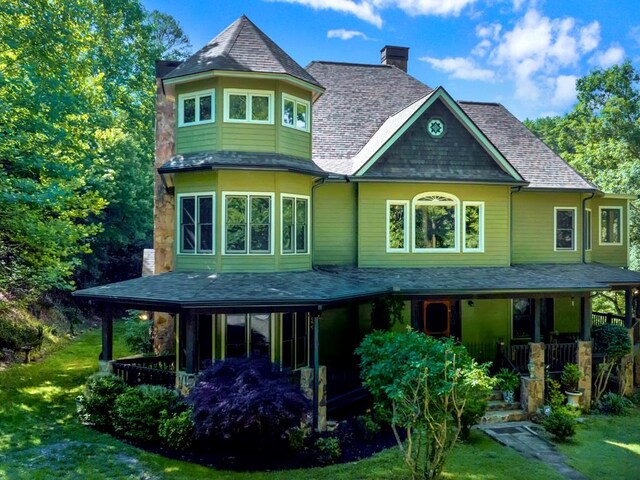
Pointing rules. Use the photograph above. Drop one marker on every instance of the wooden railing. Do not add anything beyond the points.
(515, 357)
(557, 355)
(481, 352)
(146, 370)
(635, 333)
(599, 318)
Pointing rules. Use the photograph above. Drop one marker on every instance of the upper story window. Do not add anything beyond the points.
(435, 222)
(196, 108)
(295, 223)
(565, 228)
(397, 226)
(587, 229)
(610, 226)
(195, 220)
(295, 112)
(473, 230)
(248, 223)
(248, 106)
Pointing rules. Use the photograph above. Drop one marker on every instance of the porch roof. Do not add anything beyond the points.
(332, 285)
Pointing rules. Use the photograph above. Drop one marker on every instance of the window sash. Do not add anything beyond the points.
(248, 223)
(588, 238)
(295, 341)
(294, 220)
(295, 113)
(196, 229)
(435, 226)
(611, 225)
(473, 236)
(246, 106)
(200, 109)
(248, 335)
(522, 318)
(397, 226)
(565, 229)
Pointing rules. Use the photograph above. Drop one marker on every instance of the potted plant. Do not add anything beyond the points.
(570, 377)
(507, 382)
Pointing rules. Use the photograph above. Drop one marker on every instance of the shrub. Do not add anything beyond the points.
(327, 450)
(570, 377)
(137, 333)
(138, 411)
(177, 431)
(249, 401)
(473, 412)
(96, 403)
(613, 404)
(555, 398)
(635, 397)
(614, 342)
(297, 438)
(561, 424)
(368, 427)
(422, 384)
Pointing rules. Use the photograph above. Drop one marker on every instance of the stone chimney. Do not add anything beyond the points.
(398, 56)
(164, 201)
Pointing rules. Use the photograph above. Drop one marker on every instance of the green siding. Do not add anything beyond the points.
(566, 314)
(248, 137)
(533, 227)
(372, 199)
(615, 255)
(334, 224)
(295, 142)
(485, 322)
(197, 138)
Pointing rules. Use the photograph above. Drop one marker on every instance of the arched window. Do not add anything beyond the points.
(435, 222)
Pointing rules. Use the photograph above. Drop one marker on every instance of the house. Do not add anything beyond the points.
(289, 200)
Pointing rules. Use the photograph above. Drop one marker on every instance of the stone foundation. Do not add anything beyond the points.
(185, 382)
(306, 384)
(105, 366)
(536, 357)
(626, 375)
(584, 360)
(164, 333)
(531, 394)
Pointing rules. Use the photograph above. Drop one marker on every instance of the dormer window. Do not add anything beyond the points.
(295, 113)
(248, 106)
(196, 108)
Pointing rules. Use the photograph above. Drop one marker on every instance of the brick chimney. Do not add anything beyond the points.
(398, 56)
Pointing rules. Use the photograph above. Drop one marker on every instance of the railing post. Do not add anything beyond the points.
(537, 307)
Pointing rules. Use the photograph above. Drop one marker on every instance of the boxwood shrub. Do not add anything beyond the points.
(95, 404)
(177, 431)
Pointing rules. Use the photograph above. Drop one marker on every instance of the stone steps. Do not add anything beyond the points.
(503, 416)
(494, 405)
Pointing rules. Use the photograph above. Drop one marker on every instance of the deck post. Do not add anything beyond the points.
(107, 337)
(628, 307)
(191, 324)
(537, 311)
(316, 370)
(585, 323)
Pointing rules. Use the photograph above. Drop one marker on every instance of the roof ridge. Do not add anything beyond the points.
(478, 102)
(239, 29)
(381, 65)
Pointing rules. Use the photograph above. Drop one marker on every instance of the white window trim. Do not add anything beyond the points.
(611, 244)
(295, 101)
(249, 94)
(589, 234)
(453, 199)
(555, 229)
(308, 323)
(179, 219)
(223, 248)
(405, 204)
(295, 196)
(480, 248)
(196, 96)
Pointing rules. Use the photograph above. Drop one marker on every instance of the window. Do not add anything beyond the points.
(248, 335)
(204, 324)
(248, 223)
(295, 113)
(565, 228)
(195, 221)
(610, 225)
(295, 223)
(196, 108)
(397, 226)
(473, 227)
(587, 228)
(248, 106)
(522, 318)
(295, 340)
(435, 220)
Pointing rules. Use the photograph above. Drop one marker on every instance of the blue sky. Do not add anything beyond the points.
(524, 54)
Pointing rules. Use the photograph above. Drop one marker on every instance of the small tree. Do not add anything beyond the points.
(423, 384)
(614, 342)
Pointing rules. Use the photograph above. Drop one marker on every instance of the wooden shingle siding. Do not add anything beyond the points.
(372, 199)
(533, 227)
(334, 229)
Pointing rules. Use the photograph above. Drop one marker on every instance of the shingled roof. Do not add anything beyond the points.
(535, 161)
(242, 47)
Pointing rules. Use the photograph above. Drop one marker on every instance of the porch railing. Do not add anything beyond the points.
(482, 351)
(515, 357)
(599, 318)
(557, 355)
(146, 370)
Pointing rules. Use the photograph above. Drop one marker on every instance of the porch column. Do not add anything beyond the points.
(585, 323)
(532, 386)
(190, 321)
(107, 337)
(319, 381)
(537, 310)
(628, 307)
(584, 360)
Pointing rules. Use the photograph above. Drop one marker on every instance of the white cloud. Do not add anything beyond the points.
(590, 36)
(634, 34)
(481, 49)
(565, 90)
(462, 68)
(370, 10)
(611, 56)
(343, 34)
(489, 31)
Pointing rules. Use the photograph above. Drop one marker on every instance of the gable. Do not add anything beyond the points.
(455, 156)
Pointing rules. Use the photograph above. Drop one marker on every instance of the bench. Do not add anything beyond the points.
(35, 344)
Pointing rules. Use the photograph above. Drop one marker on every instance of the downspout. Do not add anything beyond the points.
(585, 233)
(513, 190)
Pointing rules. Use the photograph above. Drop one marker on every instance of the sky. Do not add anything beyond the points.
(525, 54)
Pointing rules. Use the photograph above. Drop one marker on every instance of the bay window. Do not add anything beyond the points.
(295, 223)
(295, 112)
(195, 220)
(248, 225)
(248, 106)
(196, 108)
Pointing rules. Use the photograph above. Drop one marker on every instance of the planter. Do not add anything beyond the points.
(508, 397)
(573, 399)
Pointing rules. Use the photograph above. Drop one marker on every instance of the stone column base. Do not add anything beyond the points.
(105, 366)
(306, 384)
(164, 337)
(185, 382)
(584, 361)
(626, 375)
(531, 394)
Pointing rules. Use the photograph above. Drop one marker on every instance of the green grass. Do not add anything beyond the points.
(40, 437)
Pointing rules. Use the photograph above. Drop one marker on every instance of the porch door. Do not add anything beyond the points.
(436, 318)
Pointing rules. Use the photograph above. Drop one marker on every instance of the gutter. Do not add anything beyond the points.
(585, 233)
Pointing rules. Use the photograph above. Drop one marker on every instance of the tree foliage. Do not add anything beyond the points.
(76, 138)
(423, 385)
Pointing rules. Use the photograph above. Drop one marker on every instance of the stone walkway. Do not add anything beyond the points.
(522, 437)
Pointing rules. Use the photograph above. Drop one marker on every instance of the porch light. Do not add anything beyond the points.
(143, 316)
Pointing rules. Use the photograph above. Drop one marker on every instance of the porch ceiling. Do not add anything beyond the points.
(333, 285)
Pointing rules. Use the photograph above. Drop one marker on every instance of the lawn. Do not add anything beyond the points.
(40, 437)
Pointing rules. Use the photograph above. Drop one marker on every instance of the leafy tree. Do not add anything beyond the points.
(614, 342)
(423, 385)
